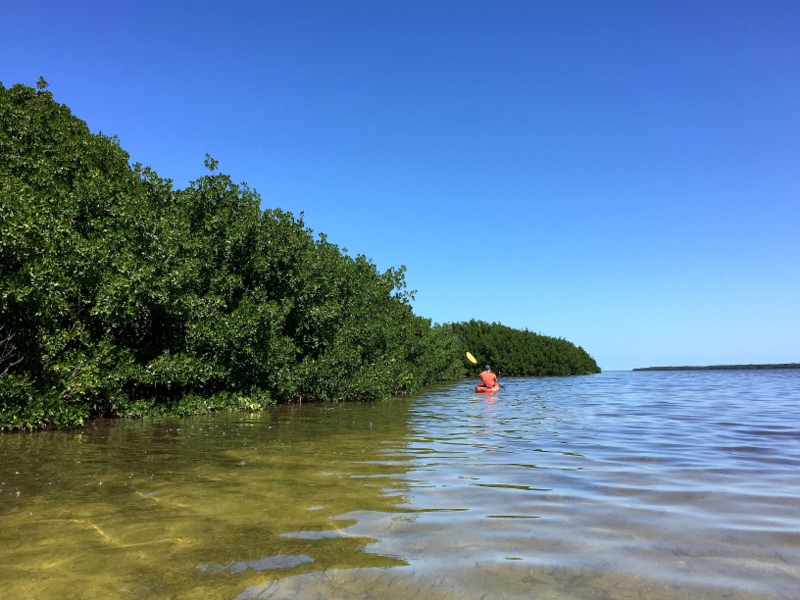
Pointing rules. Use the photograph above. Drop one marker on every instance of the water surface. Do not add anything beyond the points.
(659, 485)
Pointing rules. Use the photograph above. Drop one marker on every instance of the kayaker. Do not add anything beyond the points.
(488, 379)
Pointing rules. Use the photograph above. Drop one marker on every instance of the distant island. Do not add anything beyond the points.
(722, 367)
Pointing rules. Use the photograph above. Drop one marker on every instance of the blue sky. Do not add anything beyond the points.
(625, 175)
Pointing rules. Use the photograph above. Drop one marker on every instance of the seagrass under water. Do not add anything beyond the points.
(651, 485)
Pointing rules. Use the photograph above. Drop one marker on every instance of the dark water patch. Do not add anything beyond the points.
(261, 564)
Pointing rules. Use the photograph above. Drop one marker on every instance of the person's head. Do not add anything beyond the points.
(487, 368)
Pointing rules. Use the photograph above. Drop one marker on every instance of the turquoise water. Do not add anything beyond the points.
(622, 485)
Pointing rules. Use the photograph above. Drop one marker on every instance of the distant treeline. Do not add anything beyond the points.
(122, 296)
(722, 367)
(515, 352)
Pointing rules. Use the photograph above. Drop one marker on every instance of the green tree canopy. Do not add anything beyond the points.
(516, 352)
(120, 295)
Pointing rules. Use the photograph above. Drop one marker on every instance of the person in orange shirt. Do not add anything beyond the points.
(488, 379)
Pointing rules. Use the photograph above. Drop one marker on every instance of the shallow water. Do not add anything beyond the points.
(658, 485)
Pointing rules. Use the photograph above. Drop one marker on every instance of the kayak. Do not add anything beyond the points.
(481, 388)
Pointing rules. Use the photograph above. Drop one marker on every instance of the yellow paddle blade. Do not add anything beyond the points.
(471, 359)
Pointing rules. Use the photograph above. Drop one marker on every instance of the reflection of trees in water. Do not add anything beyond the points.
(143, 504)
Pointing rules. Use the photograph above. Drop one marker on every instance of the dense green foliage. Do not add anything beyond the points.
(516, 352)
(120, 295)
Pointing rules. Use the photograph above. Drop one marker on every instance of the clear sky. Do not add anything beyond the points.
(622, 174)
